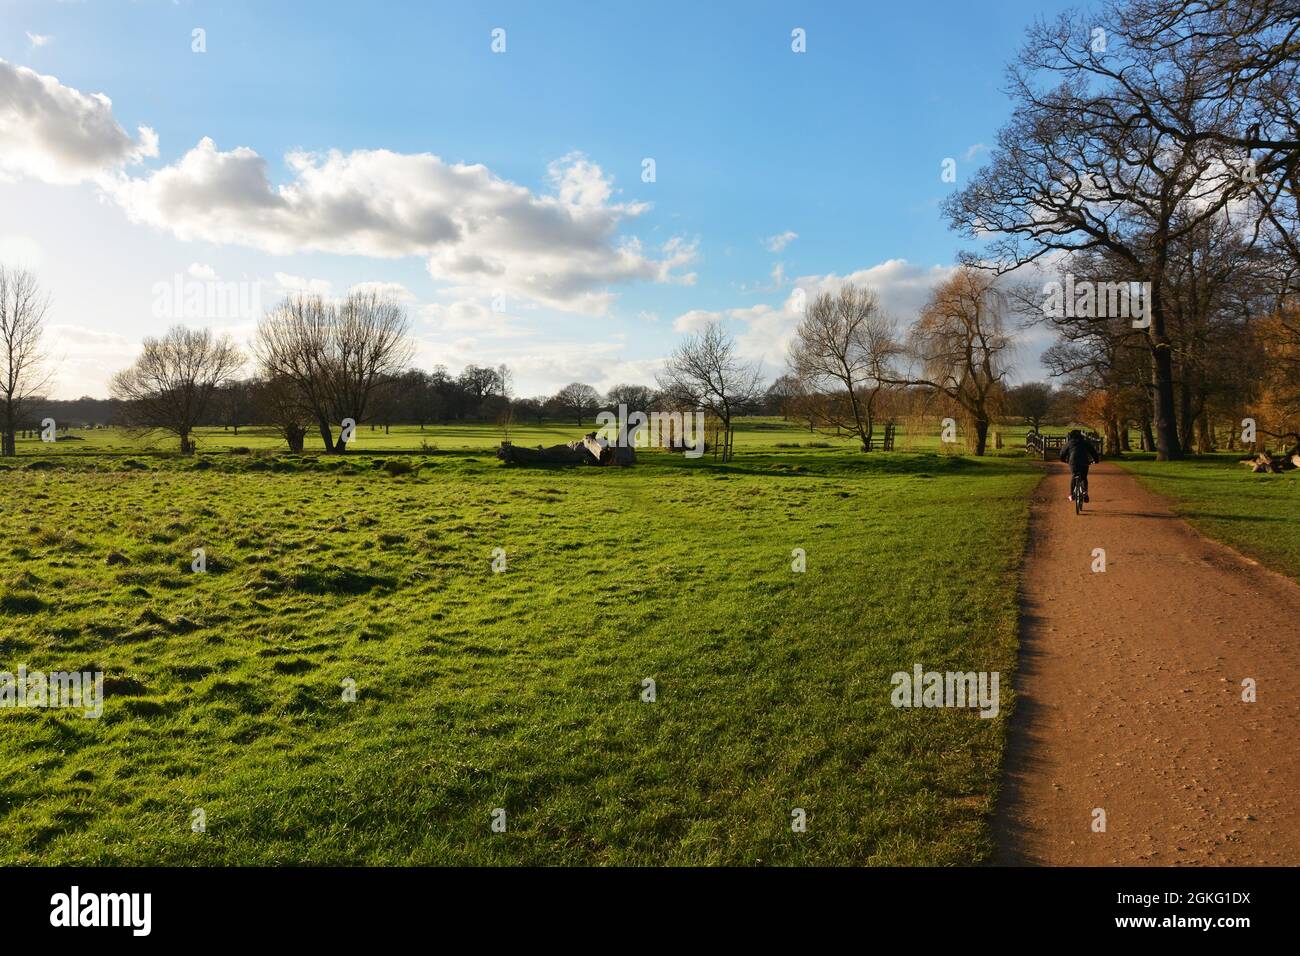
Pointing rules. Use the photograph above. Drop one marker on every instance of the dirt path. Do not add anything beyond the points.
(1129, 692)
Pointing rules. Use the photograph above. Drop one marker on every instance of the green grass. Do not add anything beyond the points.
(1259, 515)
(758, 434)
(519, 690)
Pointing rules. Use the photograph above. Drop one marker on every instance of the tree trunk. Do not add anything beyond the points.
(8, 439)
(1148, 439)
(1185, 417)
(1112, 436)
(981, 435)
(327, 435)
(1162, 368)
(1204, 441)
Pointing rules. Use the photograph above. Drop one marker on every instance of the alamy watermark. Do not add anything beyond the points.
(682, 431)
(202, 297)
(1098, 300)
(922, 688)
(71, 689)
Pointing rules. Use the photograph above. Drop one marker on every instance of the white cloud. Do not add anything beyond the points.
(291, 283)
(83, 360)
(200, 271)
(974, 150)
(57, 134)
(765, 330)
(390, 290)
(780, 241)
(469, 317)
(37, 40)
(902, 286)
(473, 227)
(21, 251)
(695, 320)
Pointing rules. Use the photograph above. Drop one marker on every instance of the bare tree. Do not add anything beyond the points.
(960, 343)
(172, 382)
(846, 344)
(369, 348)
(636, 397)
(506, 392)
(1031, 402)
(337, 357)
(24, 371)
(279, 402)
(1133, 128)
(578, 399)
(707, 372)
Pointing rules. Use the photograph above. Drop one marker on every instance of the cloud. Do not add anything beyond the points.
(57, 134)
(975, 150)
(695, 320)
(472, 227)
(201, 271)
(471, 318)
(902, 286)
(85, 359)
(766, 329)
(780, 241)
(37, 40)
(291, 283)
(22, 251)
(560, 248)
(389, 290)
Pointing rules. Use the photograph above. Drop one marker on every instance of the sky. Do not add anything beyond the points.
(568, 188)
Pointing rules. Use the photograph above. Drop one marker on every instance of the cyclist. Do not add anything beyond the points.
(1080, 453)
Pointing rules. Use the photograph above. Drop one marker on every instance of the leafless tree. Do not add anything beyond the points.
(279, 402)
(577, 399)
(637, 398)
(962, 348)
(171, 384)
(1128, 136)
(336, 356)
(847, 345)
(1031, 402)
(24, 368)
(707, 371)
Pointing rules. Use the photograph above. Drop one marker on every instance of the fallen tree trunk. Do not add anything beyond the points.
(1272, 464)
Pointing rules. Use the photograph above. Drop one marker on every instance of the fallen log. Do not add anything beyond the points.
(1264, 463)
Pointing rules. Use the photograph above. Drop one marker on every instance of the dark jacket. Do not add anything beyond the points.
(1079, 452)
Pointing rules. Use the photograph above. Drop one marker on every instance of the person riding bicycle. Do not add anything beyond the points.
(1080, 453)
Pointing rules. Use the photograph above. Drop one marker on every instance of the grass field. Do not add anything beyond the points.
(757, 434)
(1259, 515)
(519, 690)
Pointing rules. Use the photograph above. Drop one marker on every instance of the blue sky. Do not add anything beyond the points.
(840, 146)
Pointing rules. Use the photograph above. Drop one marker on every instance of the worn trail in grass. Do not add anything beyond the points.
(520, 690)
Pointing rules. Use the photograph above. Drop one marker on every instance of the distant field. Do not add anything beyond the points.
(519, 690)
(1259, 515)
(752, 434)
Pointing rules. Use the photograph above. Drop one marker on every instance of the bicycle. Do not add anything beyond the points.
(1076, 493)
